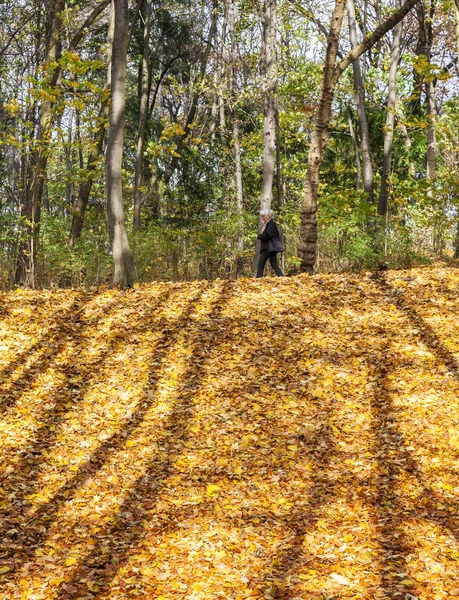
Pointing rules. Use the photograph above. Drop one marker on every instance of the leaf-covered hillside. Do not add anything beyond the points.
(276, 438)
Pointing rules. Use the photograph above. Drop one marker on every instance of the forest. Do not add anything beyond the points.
(139, 140)
(172, 426)
(289, 438)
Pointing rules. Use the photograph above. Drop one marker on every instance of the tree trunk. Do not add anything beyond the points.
(69, 185)
(233, 84)
(269, 107)
(404, 131)
(280, 195)
(237, 162)
(36, 173)
(431, 138)
(456, 14)
(236, 137)
(418, 77)
(224, 71)
(308, 227)
(390, 119)
(124, 274)
(84, 189)
(213, 111)
(426, 13)
(359, 95)
(358, 168)
(456, 242)
(144, 89)
(269, 74)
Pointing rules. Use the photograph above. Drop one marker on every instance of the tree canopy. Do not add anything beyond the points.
(223, 105)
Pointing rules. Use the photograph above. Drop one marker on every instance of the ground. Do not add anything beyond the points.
(291, 438)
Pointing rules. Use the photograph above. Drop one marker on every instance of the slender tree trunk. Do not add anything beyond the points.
(431, 138)
(84, 189)
(280, 194)
(390, 118)
(456, 14)
(124, 274)
(233, 84)
(406, 136)
(224, 71)
(358, 167)
(237, 163)
(269, 74)
(456, 242)
(78, 138)
(421, 48)
(236, 137)
(69, 187)
(426, 11)
(31, 207)
(308, 227)
(144, 89)
(359, 95)
(213, 111)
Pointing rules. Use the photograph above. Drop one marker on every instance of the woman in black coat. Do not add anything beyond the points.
(271, 244)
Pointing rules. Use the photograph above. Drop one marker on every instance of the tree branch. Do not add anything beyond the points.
(89, 21)
(309, 14)
(134, 21)
(16, 31)
(374, 37)
(161, 77)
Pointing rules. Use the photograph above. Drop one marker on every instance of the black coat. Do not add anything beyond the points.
(270, 238)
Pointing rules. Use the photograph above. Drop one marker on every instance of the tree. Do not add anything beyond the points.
(331, 74)
(84, 189)
(308, 232)
(390, 118)
(359, 95)
(144, 89)
(48, 90)
(124, 274)
(36, 168)
(269, 67)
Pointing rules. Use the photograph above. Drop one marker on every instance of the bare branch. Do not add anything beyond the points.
(134, 20)
(374, 37)
(15, 32)
(89, 21)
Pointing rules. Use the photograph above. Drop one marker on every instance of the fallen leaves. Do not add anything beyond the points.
(277, 438)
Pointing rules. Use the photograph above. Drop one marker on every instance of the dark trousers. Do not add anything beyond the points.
(264, 255)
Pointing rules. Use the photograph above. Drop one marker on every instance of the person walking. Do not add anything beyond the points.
(271, 244)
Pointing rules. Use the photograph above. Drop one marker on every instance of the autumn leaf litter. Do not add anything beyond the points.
(276, 438)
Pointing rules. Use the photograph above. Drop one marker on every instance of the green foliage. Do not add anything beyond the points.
(196, 249)
(9, 224)
(87, 264)
(345, 234)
